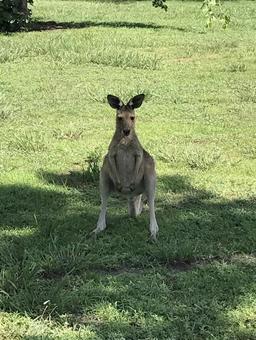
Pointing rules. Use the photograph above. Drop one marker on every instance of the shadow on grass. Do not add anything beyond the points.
(188, 284)
(38, 25)
(74, 179)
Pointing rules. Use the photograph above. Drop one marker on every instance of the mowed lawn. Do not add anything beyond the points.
(198, 121)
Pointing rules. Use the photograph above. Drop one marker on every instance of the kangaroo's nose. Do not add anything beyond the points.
(126, 131)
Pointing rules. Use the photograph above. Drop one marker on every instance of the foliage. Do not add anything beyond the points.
(214, 12)
(160, 3)
(12, 15)
(93, 165)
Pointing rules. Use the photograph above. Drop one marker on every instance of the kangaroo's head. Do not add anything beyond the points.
(125, 114)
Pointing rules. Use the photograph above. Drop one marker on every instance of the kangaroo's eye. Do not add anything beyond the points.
(132, 118)
(119, 118)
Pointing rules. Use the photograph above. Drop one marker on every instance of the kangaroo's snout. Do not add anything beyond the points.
(126, 132)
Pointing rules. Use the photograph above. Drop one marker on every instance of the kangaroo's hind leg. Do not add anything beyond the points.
(105, 189)
(150, 188)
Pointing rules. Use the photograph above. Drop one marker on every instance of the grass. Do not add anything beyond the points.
(198, 121)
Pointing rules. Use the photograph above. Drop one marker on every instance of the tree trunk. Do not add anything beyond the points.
(24, 6)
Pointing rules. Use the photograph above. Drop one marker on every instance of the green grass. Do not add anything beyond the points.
(198, 121)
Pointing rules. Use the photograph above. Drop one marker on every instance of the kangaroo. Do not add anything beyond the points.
(127, 168)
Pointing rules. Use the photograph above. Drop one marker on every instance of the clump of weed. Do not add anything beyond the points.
(237, 67)
(249, 152)
(60, 261)
(5, 114)
(7, 111)
(69, 134)
(93, 161)
(28, 142)
(201, 160)
(124, 59)
(247, 92)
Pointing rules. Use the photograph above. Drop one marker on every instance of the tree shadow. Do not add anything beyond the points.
(186, 213)
(211, 224)
(78, 179)
(38, 25)
(205, 248)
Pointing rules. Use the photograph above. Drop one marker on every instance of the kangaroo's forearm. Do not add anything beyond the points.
(138, 162)
(112, 161)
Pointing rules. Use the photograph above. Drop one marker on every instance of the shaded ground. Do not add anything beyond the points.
(54, 260)
(53, 25)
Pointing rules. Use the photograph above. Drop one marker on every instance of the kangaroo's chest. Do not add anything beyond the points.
(125, 163)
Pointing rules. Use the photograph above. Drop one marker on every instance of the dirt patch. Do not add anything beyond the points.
(175, 266)
(52, 274)
(181, 266)
(118, 271)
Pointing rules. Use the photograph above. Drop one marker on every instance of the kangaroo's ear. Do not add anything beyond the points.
(114, 102)
(136, 101)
